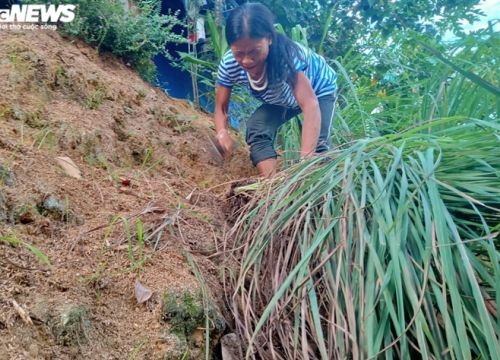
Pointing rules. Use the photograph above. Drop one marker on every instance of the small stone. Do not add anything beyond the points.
(104, 283)
(53, 205)
(78, 220)
(231, 347)
(55, 208)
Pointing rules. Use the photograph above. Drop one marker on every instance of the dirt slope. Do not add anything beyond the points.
(142, 155)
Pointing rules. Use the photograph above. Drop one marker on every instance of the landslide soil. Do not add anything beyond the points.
(141, 155)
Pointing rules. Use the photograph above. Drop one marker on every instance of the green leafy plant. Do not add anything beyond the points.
(205, 300)
(390, 88)
(340, 26)
(135, 265)
(135, 36)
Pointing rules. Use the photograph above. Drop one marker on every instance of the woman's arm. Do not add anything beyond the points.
(308, 102)
(222, 96)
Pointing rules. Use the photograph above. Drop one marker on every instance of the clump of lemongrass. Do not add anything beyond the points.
(388, 248)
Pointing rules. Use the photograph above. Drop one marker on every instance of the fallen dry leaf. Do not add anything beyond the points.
(142, 293)
(69, 167)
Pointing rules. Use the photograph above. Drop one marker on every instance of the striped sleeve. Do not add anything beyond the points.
(301, 60)
(225, 73)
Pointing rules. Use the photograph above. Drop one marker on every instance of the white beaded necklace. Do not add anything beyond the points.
(253, 83)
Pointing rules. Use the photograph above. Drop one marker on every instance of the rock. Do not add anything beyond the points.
(231, 347)
(54, 207)
(179, 348)
(104, 283)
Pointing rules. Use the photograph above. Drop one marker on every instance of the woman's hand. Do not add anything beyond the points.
(225, 141)
(222, 95)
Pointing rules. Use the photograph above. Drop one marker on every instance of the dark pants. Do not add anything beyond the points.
(265, 121)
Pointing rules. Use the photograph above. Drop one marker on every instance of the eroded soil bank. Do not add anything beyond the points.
(104, 181)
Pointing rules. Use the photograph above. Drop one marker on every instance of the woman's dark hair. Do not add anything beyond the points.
(256, 21)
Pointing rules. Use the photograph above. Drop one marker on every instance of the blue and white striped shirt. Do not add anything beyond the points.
(320, 74)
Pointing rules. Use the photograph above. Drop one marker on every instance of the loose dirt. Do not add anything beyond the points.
(70, 248)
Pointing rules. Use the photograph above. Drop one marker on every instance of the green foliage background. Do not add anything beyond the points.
(350, 21)
(135, 36)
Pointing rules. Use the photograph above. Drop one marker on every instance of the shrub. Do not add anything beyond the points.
(135, 36)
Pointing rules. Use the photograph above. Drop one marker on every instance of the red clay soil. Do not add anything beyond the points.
(142, 155)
